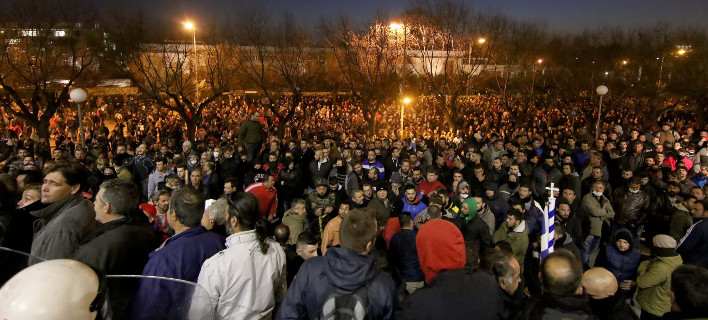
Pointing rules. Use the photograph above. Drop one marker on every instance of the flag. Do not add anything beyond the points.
(548, 236)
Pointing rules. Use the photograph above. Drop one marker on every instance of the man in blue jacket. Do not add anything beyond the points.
(692, 246)
(347, 269)
(180, 257)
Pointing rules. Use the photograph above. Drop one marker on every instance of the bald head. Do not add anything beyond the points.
(599, 283)
(561, 273)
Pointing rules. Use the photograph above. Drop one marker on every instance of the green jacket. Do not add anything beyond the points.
(517, 238)
(383, 211)
(599, 213)
(251, 132)
(681, 220)
(654, 284)
(295, 223)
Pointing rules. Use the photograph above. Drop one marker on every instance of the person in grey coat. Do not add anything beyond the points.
(68, 219)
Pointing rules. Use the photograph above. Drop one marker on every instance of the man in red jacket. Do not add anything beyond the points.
(266, 194)
(430, 184)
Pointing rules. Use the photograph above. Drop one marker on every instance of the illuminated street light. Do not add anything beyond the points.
(396, 26)
(624, 62)
(482, 40)
(190, 26)
(601, 91)
(79, 95)
(681, 52)
(403, 111)
(539, 61)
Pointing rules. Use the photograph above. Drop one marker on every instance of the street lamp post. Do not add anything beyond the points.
(403, 112)
(533, 78)
(190, 26)
(79, 95)
(601, 90)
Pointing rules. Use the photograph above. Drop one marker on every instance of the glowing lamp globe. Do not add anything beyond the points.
(601, 90)
(78, 95)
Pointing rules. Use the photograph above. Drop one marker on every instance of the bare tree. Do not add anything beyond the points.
(368, 64)
(46, 48)
(174, 74)
(445, 39)
(281, 60)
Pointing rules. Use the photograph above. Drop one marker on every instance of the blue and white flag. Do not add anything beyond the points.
(548, 236)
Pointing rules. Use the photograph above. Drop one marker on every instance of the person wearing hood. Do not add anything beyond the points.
(515, 232)
(474, 230)
(495, 203)
(654, 280)
(621, 258)
(451, 292)
(510, 188)
(347, 269)
(544, 174)
(381, 204)
(606, 304)
(412, 202)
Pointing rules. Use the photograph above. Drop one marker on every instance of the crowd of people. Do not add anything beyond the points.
(329, 222)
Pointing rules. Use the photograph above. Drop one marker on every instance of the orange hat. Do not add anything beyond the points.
(440, 247)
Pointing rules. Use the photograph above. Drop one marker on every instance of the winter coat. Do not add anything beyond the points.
(552, 307)
(518, 238)
(118, 247)
(599, 211)
(681, 221)
(693, 248)
(61, 227)
(251, 132)
(383, 211)
(242, 282)
(413, 207)
(654, 284)
(475, 232)
(541, 176)
(623, 265)
(295, 223)
(631, 209)
(567, 242)
(345, 270)
(455, 294)
(403, 254)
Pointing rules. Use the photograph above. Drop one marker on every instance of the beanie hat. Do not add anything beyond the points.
(396, 178)
(150, 209)
(440, 247)
(624, 235)
(664, 246)
(472, 204)
(187, 144)
(463, 184)
(321, 182)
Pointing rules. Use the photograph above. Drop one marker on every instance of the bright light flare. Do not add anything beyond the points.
(188, 25)
(681, 52)
(482, 40)
(539, 61)
(625, 62)
(407, 100)
(396, 26)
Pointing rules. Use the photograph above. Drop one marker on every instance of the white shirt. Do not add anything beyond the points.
(243, 283)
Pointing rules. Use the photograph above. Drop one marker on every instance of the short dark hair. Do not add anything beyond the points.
(434, 212)
(496, 263)
(564, 279)
(188, 205)
(404, 219)
(123, 197)
(74, 173)
(161, 159)
(233, 181)
(358, 229)
(306, 239)
(518, 215)
(31, 176)
(688, 283)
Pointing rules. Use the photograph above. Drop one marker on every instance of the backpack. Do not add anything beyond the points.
(339, 305)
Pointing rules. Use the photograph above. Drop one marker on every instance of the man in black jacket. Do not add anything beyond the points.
(250, 135)
(606, 303)
(122, 244)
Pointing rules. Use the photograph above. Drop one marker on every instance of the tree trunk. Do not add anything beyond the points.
(371, 124)
(281, 128)
(42, 127)
(191, 132)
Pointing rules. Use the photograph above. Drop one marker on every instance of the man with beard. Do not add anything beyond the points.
(544, 174)
(692, 246)
(320, 204)
(372, 162)
(596, 175)
(412, 202)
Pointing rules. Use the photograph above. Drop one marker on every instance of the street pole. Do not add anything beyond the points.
(403, 111)
(599, 115)
(81, 126)
(194, 63)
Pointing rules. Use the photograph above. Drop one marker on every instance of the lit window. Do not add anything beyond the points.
(59, 33)
(29, 33)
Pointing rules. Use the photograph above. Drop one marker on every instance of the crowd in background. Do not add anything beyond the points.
(435, 224)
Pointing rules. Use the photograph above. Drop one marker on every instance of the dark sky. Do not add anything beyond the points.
(559, 15)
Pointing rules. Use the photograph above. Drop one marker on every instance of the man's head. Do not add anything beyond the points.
(298, 206)
(405, 220)
(269, 181)
(63, 180)
(440, 247)
(358, 230)
(358, 196)
(368, 190)
(306, 245)
(31, 194)
(504, 268)
(410, 193)
(561, 273)
(688, 288)
(186, 208)
(599, 283)
(116, 199)
(230, 186)
(281, 234)
(196, 177)
(163, 201)
(343, 209)
(371, 155)
(431, 176)
(514, 218)
(563, 209)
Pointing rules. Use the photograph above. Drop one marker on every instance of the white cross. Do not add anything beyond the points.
(553, 189)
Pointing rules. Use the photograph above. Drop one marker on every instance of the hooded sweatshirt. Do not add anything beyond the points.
(440, 247)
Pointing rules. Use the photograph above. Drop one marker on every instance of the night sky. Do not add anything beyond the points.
(558, 15)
